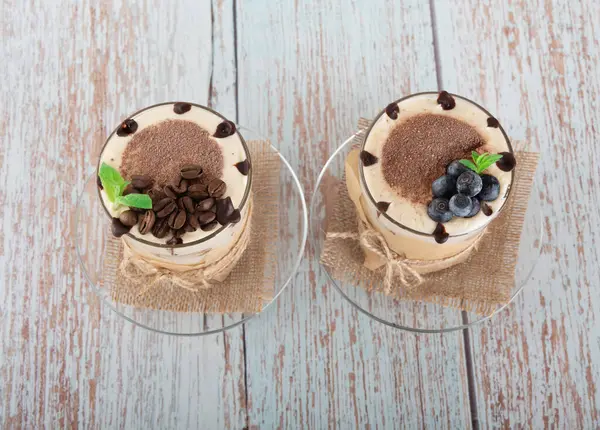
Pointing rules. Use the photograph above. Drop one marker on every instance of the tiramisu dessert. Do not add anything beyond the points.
(175, 179)
(433, 171)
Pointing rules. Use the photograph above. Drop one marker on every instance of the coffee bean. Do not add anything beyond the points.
(205, 178)
(206, 217)
(446, 100)
(225, 129)
(187, 227)
(214, 209)
(217, 188)
(161, 228)
(156, 195)
(191, 171)
(392, 110)
(180, 232)
(235, 217)
(243, 167)
(198, 191)
(127, 127)
(179, 202)
(118, 228)
(209, 226)
(205, 204)
(130, 189)
(193, 221)
(224, 210)
(175, 240)
(141, 182)
(171, 218)
(179, 220)
(128, 218)
(147, 222)
(167, 210)
(188, 204)
(168, 190)
(99, 182)
(367, 158)
(180, 186)
(181, 107)
(161, 204)
(137, 210)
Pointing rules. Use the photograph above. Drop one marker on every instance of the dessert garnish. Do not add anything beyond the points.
(486, 209)
(382, 206)
(507, 162)
(392, 110)
(181, 108)
(225, 129)
(444, 186)
(243, 167)
(114, 185)
(439, 210)
(491, 188)
(367, 158)
(127, 127)
(460, 205)
(481, 161)
(469, 183)
(446, 100)
(493, 122)
(440, 235)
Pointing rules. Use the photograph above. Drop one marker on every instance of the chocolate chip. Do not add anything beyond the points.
(224, 210)
(161, 228)
(225, 129)
(367, 158)
(156, 195)
(446, 100)
(440, 235)
(128, 218)
(209, 226)
(191, 171)
(175, 240)
(193, 221)
(127, 127)
(161, 204)
(235, 216)
(188, 204)
(180, 186)
(486, 209)
(118, 228)
(493, 122)
(243, 167)
(382, 206)
(181, 107)
(217, 188)
(206, 204)
(146, 222)
(141, 182)
(507, 162)
(198, 191)
(130, 189)
(99, 182)
(392, 110)
(167, 210)
(206, 217)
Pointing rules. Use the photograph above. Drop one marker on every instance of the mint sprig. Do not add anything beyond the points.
(480, 161)
(114, 185)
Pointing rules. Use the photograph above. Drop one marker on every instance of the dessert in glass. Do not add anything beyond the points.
(175, 178)
(433, 171)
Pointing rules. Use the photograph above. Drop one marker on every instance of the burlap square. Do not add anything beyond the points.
(481, 284)
(249, 285)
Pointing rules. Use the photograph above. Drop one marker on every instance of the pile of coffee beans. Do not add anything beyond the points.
(193, 201)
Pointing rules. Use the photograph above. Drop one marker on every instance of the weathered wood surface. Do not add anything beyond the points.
(302, 73)
(535, 65)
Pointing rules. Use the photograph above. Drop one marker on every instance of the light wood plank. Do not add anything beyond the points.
(71, 70)
(535, 65)
(307, 72)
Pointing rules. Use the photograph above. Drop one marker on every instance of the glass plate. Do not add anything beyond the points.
(92, 229)
(412, 315)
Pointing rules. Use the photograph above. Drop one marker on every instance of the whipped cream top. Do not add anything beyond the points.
(232, 147)
(405, 211)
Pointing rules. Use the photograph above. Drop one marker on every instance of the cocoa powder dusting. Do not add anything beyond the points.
(418, 150)
(160, 150)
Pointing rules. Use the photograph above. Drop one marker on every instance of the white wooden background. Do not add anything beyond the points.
(302, 72)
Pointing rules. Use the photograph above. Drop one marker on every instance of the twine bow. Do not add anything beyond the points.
(396, 266)
(142, 270)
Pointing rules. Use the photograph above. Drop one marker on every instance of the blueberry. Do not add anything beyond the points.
(491, 188)
(456, 169)
(460, 205)
(444, 186)
(476, 207)
(469, 183)
(439, 210)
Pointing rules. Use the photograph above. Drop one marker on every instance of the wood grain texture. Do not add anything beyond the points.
(534, 64)
(71, 70)
(307, 73)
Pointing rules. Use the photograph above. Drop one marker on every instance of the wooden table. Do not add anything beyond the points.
(302, 72)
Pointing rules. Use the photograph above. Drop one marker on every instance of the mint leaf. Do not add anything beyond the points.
(469, 164)
(475, 156)
(489, 160)
(142, 201)
(112, 181)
